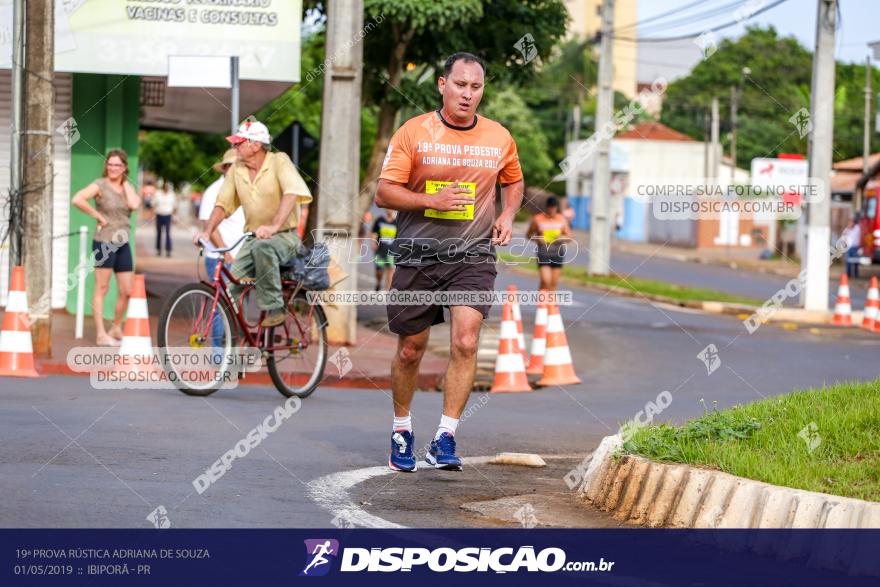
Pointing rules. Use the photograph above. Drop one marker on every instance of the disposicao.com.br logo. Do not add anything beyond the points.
(318, 551)
(441, 560)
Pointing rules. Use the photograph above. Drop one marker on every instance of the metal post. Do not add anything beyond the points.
(81, 281)
(715, 140)
(866, 145)
(233, 108)
(817, 254)
(734, 106)
(600, 227)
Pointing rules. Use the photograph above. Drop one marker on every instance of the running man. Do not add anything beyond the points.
(383, 232)
(550, 231)
(440, 173)
(320, 559)
(270, 190)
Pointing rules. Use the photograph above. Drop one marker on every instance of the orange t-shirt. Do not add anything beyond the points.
(426, 154)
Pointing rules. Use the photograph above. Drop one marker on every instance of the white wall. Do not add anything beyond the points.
(61, 185)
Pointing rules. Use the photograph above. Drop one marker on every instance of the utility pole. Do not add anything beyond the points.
(18, 44)
(338, 216)
(866, 145)
(37, 159)
(817, 254)
(600, 227)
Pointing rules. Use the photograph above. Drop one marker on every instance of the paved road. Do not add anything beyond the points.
(751, 284)
(136, 450)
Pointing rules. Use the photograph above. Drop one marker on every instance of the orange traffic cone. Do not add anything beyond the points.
(539, 341)
(517, 316)
(869, 322)
(558, 368)
(136, 350)
(510, 369)
(843, 309)
(16, 347)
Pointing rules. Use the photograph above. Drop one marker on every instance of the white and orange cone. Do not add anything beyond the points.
(539, 340)
(558, 367)
(136, 350)
(869, 322)
(16, 346)
(517, 317)
(843, 309)
(510, 369)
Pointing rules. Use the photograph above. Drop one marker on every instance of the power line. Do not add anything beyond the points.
(695, 18)
(659, 16)
(691, 36)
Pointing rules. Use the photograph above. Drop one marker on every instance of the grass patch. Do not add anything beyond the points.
(769, 440)
(652, 287)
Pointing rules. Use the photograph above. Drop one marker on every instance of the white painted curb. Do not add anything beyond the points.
(640, 491)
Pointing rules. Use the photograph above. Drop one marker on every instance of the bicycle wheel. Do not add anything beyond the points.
(297, 368)
(189, 333)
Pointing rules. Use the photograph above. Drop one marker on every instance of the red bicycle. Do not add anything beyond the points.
(205, 316)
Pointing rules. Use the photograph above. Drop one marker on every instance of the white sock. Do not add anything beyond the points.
(403, 423)
(447, 424)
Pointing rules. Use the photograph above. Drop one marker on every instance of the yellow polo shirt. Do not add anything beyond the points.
(261, 197)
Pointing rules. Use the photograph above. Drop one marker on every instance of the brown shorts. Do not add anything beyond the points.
(461, 276)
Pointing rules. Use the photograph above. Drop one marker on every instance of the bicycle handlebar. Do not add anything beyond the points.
(245, 236)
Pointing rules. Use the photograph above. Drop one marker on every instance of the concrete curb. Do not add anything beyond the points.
(780, 315)
(647, 493)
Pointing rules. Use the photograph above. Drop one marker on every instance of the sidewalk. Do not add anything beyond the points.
(370, 358)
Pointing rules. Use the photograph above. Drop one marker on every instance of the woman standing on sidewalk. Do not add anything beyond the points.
(115, 198)
(550, 231)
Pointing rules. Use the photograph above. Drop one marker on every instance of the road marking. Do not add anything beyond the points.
(331, 491)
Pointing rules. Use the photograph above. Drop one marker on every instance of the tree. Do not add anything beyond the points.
(510, 110)
(403, 56)
(181, 157)
(777, 87)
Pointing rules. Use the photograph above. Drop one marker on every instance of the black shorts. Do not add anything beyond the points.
(460, 276)
(111, 256)
(551, 257)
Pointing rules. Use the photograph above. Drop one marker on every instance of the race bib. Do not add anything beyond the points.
(432, 187)
(551, 234)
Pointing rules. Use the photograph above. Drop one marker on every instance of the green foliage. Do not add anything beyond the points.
(777, 87)
(819, 440)
(181, 157)
(508, 108)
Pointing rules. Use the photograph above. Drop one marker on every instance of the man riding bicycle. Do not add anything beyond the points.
(270, 190)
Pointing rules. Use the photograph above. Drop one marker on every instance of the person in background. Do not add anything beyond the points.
(550, 231)
(115, 198)
(230, 229)
(567, 210)
(383, 232)
(165, 204)
(226, 233)
(148, 192)
(853, 236)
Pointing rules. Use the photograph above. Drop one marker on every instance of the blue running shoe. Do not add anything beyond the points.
(442, 453)
(402, 458)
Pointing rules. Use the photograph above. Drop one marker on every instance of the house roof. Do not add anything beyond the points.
(855, 164)
(653, 131)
